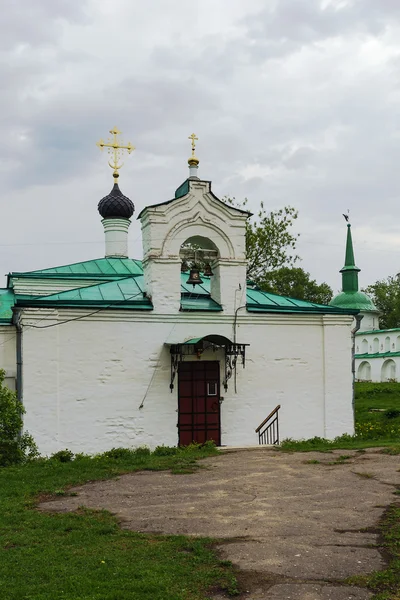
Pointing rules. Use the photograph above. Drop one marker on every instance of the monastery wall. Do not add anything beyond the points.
(103, 382)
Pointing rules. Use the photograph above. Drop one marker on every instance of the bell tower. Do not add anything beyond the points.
(196, 217)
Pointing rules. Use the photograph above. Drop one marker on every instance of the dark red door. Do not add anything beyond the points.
(198, 402)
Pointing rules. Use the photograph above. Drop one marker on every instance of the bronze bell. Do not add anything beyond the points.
(208, 271)
(194, 276)
(184, 267)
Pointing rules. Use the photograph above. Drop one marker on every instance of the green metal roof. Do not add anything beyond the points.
(356, 300)
(101, 267)
(259, 301)
(377, 355)
(182, 190)
(124, 293)
(191, 302)
(376, 331)
(6, 304)
(122, 282)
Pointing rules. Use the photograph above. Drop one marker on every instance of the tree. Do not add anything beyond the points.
(385, 294)
(14, 446)
(270, 244)
(295, 282)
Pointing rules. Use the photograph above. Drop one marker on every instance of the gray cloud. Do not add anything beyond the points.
(293, 104)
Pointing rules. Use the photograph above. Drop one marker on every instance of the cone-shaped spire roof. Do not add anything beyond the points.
(349, 271)
(350, 296)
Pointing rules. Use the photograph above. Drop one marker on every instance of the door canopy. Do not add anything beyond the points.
(196, 347)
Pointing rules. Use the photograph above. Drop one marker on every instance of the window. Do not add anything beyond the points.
(211, 388)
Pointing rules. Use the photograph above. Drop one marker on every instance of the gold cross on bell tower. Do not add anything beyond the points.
(193, 160)
(115, 147)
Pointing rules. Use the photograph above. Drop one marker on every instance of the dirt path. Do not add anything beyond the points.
(294, 529)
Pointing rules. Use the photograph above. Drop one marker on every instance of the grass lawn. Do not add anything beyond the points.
(86, 555)
(377, 422)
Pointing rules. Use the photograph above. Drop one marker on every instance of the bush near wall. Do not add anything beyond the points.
(15, 446)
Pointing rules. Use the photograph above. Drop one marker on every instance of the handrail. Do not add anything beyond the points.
(271, 414)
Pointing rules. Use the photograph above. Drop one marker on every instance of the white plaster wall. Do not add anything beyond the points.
(369, 321)
(84, 381)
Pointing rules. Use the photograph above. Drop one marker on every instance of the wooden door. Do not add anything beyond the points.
(198, 402)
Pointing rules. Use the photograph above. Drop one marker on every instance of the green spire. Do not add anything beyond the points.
(349, 271)
(350, 297)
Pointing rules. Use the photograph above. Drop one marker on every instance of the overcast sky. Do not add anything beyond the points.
(294, 102)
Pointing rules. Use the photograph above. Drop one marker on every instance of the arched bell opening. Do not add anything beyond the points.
(199, 256)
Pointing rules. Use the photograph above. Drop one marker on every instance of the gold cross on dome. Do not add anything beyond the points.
(194, 139)
(115, 147)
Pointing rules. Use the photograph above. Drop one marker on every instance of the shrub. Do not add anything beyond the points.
(63, 456)
(142, 452)
(15, 447)
(165, 451)
(392, 413)
(126, 453)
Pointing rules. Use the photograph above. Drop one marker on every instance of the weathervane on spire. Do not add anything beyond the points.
(347, 217)
(193, 160)
(115, 147)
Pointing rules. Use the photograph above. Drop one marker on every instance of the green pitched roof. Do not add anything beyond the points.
(122, 293)
(122, 284)
(6, 304)
(259, 301)
(101, 267)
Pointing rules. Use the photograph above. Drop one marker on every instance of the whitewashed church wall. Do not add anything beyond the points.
(8, 354)
(338, 381)
(84, 381)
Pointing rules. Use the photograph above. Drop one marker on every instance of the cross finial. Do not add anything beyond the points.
(193, 161)
(194, 139)
(115, 147)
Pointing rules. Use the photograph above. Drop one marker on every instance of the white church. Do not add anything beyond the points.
(118, 351)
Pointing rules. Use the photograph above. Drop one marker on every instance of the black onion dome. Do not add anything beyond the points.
(116, 205)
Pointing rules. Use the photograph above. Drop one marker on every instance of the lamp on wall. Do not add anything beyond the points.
(194, 277)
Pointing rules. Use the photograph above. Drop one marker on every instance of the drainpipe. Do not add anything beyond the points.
(358, 318)
(18, 327)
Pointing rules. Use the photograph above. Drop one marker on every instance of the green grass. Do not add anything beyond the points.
(386, 583)
(377, 427)
(86, 555)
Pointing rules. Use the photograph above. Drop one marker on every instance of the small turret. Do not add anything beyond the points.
(351, 297)
(115, 208)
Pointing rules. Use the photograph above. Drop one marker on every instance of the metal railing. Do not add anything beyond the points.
(268, 431)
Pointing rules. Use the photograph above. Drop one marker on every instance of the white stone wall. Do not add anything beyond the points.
(102, 382)
(378, 368)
